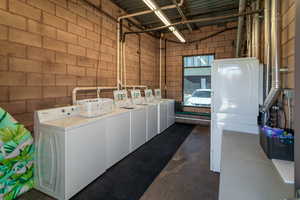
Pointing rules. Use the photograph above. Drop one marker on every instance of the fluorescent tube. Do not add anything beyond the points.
(152, 5)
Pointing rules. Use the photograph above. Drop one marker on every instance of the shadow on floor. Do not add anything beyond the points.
(130, 178)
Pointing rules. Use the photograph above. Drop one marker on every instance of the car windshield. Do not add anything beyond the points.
(202, 94)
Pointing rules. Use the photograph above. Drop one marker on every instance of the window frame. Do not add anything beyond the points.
(183, 67)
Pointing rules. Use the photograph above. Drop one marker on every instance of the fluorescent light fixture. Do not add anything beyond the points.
(152, 5)
(179, 36)
(163, 18)
(171, 28)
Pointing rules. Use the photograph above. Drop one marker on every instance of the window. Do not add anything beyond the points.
(197, 80)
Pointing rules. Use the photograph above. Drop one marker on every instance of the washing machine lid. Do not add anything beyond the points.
(78, 121)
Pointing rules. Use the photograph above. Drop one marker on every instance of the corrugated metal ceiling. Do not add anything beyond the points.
(191, 8)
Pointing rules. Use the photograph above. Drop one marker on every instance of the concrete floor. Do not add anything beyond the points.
(186, 176)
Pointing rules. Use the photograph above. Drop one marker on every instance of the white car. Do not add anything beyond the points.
(200, 97)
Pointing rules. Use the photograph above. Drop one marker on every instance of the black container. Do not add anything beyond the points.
(276, 147)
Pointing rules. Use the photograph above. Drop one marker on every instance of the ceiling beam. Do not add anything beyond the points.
(192, 16)
(182, 15)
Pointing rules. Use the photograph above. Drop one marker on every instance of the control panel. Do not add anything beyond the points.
(57, 113)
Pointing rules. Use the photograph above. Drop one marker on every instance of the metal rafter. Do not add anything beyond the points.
(182, 15)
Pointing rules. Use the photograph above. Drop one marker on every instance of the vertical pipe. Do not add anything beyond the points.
(257, 30)
(165, 68)
(297, 98)
(253, 48)
(140, 61)
(267, 44)
(160, 60)
(124, 63)
(118, 54)
(241, 23)
(276, 55)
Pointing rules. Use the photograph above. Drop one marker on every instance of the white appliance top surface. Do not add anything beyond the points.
(78, 121)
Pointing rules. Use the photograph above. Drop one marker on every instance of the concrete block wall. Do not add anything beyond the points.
(48, 47)
(221, 45)
(288, 12)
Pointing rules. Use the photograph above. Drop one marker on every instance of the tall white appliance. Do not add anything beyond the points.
(236, 94)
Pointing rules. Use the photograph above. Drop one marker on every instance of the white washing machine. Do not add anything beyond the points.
(170, 107)
(162, 110)
(137, 119)
(70, 151)
(151, 113)
(118, 136)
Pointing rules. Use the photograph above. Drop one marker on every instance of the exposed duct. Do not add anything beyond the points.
(267, 47)
(241, 23)
(276, 55)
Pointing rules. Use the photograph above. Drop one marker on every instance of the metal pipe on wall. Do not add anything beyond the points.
(276, 55)
(241, 21)
(257, 29)
(267, 47)
(160, 60)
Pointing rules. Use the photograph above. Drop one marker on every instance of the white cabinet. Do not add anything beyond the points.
(118, 137)
(138, 128)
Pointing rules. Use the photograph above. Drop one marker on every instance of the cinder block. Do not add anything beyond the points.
(75, 70)
(76, 50)
(24, 9)
(65, 58)
(91, 72)
(55, 45)
(3, 63)
(25, 37)
(4, 94)
(41, 54)
(85, 42)
(12, 49)
(3, 4)
(34, 79)
(66, 37)
(73, 28)
(43, 5)
(86, 81)
(54, 21)
(92, 35)
(65, 14)
(54, 68)
(24, 65)
(12, 20)
(92, 54)
(12, 78)
(62, 3)
(65, 80)
(3, 32)
(85, 23)
(48, 80)
(41, 29)
(22, 93)
(39, 104)
(77, 9)
(51, 92)
(87, 62)
(14, 107)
